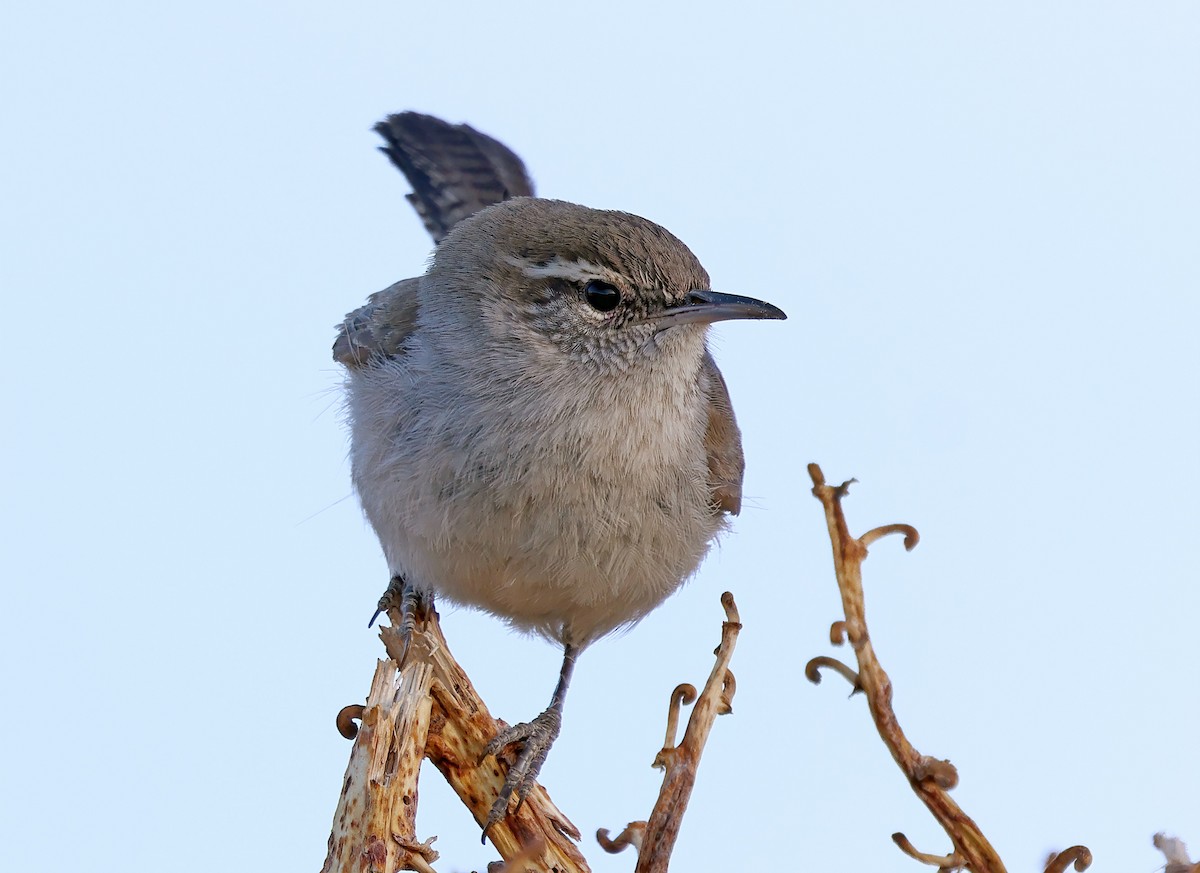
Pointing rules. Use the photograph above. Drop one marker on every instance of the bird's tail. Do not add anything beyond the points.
(454, 169)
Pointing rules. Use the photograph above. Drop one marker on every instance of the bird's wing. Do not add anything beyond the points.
(723, 443)
(377, 330)
(454, 169)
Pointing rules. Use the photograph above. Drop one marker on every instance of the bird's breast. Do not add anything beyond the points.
(568, 511)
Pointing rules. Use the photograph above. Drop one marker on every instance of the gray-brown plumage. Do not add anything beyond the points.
(538, 428)
(378, 330)
(722, 444)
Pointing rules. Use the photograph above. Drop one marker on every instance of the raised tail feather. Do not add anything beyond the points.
(454, 169)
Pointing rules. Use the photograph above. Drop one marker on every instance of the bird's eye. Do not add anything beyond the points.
(601, 295)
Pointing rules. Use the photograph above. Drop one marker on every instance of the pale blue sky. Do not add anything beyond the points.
(983, 221)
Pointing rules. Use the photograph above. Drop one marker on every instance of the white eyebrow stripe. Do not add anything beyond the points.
(560, 268)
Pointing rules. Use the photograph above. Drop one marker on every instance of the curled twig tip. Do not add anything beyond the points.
(837, 633)
(911, 537)
(346, 718)
(631, 836)
(812, 671)
(1080, 856)
(942, 862)
(683, 695)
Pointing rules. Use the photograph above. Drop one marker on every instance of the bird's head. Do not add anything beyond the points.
(600, 286)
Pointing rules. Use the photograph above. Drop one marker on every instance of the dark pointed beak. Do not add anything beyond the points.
(705, 307)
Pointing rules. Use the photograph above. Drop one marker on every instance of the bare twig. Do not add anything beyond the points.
(930, 778)
(682, 762)
(655, 839)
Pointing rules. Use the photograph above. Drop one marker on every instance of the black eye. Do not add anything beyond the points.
(601, 295)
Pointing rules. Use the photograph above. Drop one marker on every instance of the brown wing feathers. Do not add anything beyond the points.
(723, 443)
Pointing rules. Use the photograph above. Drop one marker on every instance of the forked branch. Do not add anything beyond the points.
(429, 709)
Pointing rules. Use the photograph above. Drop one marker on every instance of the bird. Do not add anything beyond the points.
(537, 426)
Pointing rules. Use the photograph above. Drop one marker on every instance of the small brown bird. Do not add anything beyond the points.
(537, 427)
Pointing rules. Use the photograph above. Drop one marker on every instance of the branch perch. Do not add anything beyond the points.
(429, 709)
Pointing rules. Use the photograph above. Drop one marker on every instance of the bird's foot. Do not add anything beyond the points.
(412, 604)
(536, 737)
(403, 596)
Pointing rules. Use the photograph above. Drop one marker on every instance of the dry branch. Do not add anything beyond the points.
(655, 839)
(930, 778)
(428, 708)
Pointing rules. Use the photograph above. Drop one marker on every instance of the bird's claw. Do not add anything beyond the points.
(412, 604)
(401, 596)
(536, 737)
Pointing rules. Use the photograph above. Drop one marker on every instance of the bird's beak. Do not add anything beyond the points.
(705, 307)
